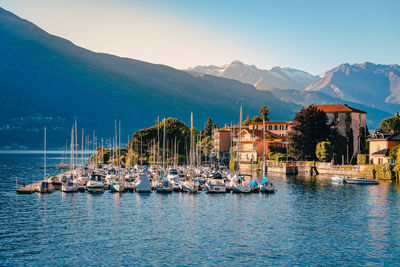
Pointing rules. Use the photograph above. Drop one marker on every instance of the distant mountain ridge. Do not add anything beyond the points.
(372, 87)
(47, 80)
(277, 77)
(367, 83)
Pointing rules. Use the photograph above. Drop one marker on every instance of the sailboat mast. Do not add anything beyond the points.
(44, 152)
(158, 140)
(191, 140)
(238, 148)
(76, 143)
(72, 149)
(82, 149)
(163, 160)
(263, 165)
(119, 146)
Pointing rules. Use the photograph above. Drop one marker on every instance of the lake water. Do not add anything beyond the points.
(307, 222)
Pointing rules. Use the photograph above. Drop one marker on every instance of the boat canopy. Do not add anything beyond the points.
(253, 183)
(265, 180)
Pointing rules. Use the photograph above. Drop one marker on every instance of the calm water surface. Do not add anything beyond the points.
(307, 222)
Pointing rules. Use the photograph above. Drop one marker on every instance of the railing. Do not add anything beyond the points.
(280, 164)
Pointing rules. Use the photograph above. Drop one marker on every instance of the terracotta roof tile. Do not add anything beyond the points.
(338, 108)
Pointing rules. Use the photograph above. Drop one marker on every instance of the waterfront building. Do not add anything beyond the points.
(280, 128)
(380, 145)
(222, 140)
(251, 146)
(346, 120)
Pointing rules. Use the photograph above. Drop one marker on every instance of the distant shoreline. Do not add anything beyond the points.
(38, 151)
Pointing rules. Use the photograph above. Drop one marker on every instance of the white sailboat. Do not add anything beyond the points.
(265, 186)
(70, 186)
(239, 185)
(45, 186)
(190, 186)
(95, 184)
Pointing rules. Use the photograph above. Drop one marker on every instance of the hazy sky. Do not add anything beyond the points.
(310, 35)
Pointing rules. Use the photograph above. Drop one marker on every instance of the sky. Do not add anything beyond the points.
(313, 36)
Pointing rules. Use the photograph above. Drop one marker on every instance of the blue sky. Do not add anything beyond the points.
(310, 35)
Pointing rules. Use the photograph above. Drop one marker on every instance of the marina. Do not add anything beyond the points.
(299, 224)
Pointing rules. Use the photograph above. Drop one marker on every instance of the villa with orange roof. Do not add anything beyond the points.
(346, 120)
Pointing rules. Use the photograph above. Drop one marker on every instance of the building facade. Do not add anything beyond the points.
(380, 145)
(346, 120)
(280, 128)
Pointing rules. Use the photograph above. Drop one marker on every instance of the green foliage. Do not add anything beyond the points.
(393, 152)
(362, 134)
(362, 158)
(209, 127)
(350, 143)
(324, 151)
(276, 156)
(144, 139)
(279, 149)
(310, 127)
(233, 166)
(339, 143)
(397, 165)
(249, 121)
(265, 113)
(390, 124)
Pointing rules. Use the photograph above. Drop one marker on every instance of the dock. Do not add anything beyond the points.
(29, 189)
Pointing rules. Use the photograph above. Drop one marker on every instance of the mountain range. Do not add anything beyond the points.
(47, 80)
(277, 77)
(371, 87)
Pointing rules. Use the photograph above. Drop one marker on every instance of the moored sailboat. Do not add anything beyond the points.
(95, 184)
(45, 186)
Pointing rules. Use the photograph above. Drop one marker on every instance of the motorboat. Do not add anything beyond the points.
(189, 187)
(360, 180)
(117, 187)
(45, 187)
(337, 179)
(172, 174)
(244, 189)
(164, 187)
(69, 186)
(95, 184)
(216, 186)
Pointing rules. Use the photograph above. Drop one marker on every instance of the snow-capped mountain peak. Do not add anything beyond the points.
(277, 77)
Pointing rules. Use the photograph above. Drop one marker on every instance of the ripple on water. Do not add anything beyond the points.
(307, 222)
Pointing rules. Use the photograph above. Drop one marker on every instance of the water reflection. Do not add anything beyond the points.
(308, 221)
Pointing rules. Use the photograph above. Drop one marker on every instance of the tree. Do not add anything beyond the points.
(339, 144)
(393, 152)
(390, 124)
(265, 113)
(174, 129)
(362, 135)
(208, 128)
(324, 151)
(277, 149)
(247, 121)
(310, 127)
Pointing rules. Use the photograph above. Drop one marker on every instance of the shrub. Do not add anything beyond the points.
(362, 158)
(324, 151)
